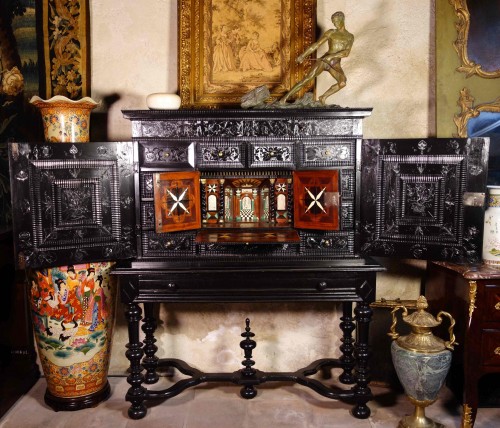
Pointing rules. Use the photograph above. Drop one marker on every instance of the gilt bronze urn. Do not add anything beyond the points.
(421, 360)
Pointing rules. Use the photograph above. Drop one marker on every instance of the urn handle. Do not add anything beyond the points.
(392, 333)
(449, 344)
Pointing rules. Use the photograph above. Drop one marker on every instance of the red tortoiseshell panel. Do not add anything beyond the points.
(177, 201)
(316, 199)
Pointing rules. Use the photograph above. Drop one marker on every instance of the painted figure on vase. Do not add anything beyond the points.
(71, 312)
(339, 46)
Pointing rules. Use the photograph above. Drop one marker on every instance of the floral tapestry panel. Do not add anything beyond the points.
(66, 48)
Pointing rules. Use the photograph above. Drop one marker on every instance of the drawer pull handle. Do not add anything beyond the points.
(322, 285)
(497, 306)
(497, 351)
(171, 286)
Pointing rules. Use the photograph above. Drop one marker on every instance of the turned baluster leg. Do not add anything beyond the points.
(347, 360)
(248, 345)
(150, 360)
(362, 392)
(136, 393)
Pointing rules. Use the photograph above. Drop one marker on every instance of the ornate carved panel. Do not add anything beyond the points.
(72, 202)
(150, 124)
(321, 153)
(167, 155)
(220, 154)
(328, 243)
(176, 244)
(272, 155)
(413, 202)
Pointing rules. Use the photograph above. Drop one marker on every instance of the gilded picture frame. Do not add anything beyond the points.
(477, 38)
(229, 47)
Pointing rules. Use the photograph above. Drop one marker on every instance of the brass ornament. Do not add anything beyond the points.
(467, 417)
(421, 338)
(418, 418)
(472, 297)
(497, 306)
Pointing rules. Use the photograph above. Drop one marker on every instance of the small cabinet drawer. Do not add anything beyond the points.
(490, 347)
(275, 285)
(166, 154)
(492, 303)
(220, 154)
(327, 153)
(272, 154)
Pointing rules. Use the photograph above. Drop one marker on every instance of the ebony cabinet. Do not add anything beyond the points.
(248, 206)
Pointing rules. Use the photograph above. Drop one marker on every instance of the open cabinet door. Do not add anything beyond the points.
(72, 202)
(177, 201)
(316, 199)
(423, 198)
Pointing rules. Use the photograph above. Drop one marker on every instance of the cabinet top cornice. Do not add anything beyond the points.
(247, 114)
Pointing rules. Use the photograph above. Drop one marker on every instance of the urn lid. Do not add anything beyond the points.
(421, 339)
(421, 318)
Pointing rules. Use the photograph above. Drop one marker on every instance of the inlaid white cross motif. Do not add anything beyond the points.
(212, 188)
(316, 200)
(178, 201)
(280, 187)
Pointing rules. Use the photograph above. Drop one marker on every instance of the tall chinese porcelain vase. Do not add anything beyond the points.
(72, 306)
(491, 231)
(421, 360)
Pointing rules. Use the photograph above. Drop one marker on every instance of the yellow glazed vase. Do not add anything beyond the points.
(72, 309)
(65, 120)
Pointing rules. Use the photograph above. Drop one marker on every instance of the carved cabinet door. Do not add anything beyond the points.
(423, 198)
(72, 202)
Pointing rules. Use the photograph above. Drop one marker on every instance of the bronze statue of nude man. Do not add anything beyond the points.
(339, 46)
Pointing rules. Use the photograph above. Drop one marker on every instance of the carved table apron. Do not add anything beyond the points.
(347, 282)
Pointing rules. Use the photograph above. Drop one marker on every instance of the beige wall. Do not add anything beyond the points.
(391, 68)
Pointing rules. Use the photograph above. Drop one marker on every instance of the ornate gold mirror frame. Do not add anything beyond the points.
(463, 25)
(468, 110)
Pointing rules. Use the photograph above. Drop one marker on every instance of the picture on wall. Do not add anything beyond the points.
(478, 26)
(65, 52)
(229, 47)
